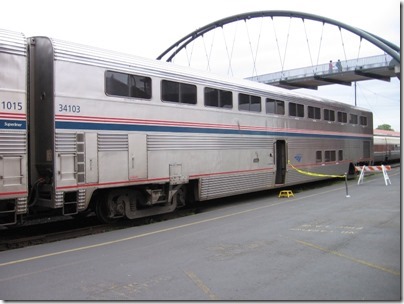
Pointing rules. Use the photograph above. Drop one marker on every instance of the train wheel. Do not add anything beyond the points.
(111, 206)
(180, 197)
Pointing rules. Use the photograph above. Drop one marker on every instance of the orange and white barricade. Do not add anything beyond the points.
(374, 169)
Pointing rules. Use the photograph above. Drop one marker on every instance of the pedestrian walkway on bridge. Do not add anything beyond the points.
(381, 67)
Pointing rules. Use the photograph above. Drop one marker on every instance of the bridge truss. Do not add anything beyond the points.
(317, 75)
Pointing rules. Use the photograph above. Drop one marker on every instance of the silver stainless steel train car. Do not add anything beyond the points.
(132, 137)
(386, 145)
(13, 126)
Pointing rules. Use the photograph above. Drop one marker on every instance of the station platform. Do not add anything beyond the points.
(318, 245)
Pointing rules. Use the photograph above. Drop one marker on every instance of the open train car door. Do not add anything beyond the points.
(280, 161)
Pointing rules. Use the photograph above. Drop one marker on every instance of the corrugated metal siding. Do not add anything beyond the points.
(78, 53)
(175, 142)
(65, 142)
(112, 142)
(13, 143)
(220, 186)
(13, 43)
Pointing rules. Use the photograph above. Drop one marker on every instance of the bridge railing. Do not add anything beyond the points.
(323, 69)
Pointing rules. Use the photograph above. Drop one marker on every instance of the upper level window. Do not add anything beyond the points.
(314, 112)
(127, 85)
(296, 109)
(329, 115)
(363, 120)
(273, 106)
(218, 98)
(249, 103)
(178, 92)
(342, 117)
(353, 119)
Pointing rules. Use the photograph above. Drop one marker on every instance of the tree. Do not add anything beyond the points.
(385, 127)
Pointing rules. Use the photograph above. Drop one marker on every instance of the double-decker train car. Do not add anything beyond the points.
(13, 126)
(386, 146)
(132, 137)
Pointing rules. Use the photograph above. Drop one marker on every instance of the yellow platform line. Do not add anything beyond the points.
(341, 255)
(198, 282)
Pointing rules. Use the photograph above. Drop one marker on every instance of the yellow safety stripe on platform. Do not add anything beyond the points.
(315, 174)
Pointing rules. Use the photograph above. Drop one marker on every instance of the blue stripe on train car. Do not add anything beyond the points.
(174, 129)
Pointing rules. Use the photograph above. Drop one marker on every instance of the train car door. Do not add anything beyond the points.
(91, 158)
(280, 161)
(137, 156)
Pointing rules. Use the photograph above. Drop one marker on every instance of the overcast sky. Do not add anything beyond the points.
(147, 28)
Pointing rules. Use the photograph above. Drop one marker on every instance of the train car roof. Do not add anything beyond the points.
(386, 133)
(79, 53)
(13, 42)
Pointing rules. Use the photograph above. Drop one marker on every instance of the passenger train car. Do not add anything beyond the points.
(89, 129)
(386, 145)
(13, 126)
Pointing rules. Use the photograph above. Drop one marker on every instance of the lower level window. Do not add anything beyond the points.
(319, 156)
(340, 155)
(330, 156)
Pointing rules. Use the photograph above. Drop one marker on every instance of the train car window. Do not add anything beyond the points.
(255, 104)
(296, 110)
(218, 98)
(340, 155)
(127, 85)
(353, 119)
(319, 156)
(329, 115)
(363, 120)
(243, 102)
(170, 91)
(211, 97)
(226, 99)
(329, 156)
(249, 103)
(314, 112)
(178, 92)
(187, 93)
(342, 117)
(273, 106)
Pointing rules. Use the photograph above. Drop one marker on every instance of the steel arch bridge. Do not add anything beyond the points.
(388, 47)
(374, 67)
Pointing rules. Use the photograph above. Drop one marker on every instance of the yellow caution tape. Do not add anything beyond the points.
(315, 174)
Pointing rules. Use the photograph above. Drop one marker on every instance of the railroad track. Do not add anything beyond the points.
(34, 234)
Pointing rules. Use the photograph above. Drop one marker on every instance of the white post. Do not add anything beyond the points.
(360, 180)
(385, 175)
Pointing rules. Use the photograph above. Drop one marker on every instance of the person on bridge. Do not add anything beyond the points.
(339, 66)
(330, 67)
